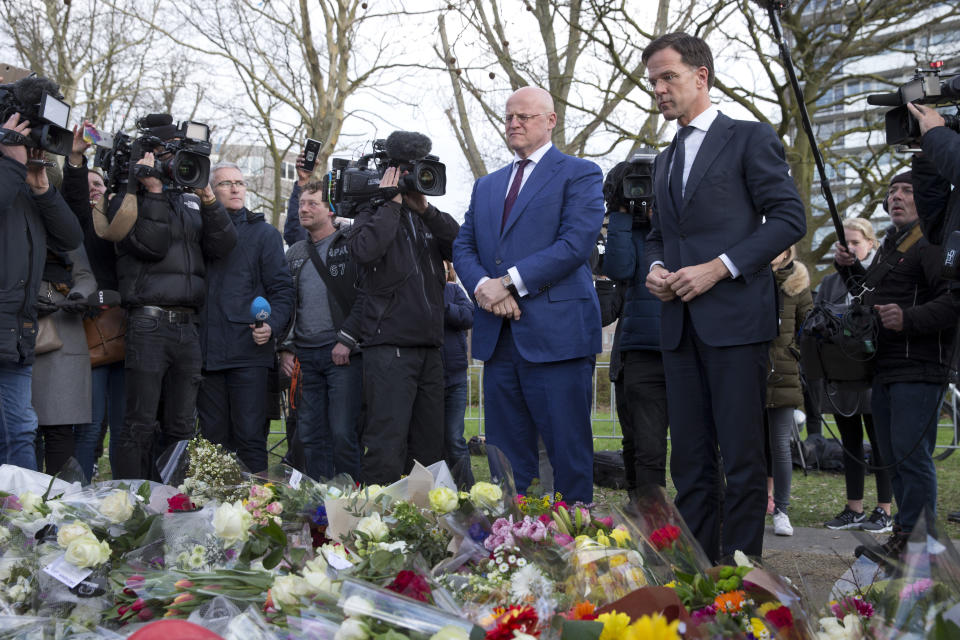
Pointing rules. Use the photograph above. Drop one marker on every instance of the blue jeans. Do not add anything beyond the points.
(328, 417)
(904, 412)
(18, 420)
(455, 450)
(108, 402)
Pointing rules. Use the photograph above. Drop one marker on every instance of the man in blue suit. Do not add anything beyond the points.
(725, 207)
(522, 250)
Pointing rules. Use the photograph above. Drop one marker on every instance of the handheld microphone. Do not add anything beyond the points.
(260, 310)
(103, 299)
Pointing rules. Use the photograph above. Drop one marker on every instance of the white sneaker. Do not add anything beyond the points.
(781, 524)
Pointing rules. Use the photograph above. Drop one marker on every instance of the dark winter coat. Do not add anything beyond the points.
(101, 253)
(401, 256)
(783, 381)
(162, 261)
(457, 318)
(624, 260)
(936, 176)
(921, 351)
(255, 267)
(293, 231)
(29, 225)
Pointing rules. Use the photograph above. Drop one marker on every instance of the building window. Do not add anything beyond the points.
(288, 171)
(251, 165)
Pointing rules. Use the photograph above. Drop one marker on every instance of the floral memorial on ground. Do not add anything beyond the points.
(221, 552)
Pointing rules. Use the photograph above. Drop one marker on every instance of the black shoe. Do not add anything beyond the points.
(953, 516)
(879, 522)
(847, 519)
(888, 554)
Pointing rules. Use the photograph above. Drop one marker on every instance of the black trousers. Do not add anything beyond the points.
(162, 370)
(715, 397)
(851, 435)
(232, 406)
(403, 405)
(642, 409)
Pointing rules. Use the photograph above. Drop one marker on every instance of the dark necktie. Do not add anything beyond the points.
(514, 191)
(676, 170)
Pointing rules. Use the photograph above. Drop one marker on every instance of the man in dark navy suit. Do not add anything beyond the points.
(522, 251)
(726, 206)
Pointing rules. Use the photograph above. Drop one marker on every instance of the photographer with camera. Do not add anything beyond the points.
(161, 264)
(936, 174)
(642, 405)
(400, 242)
(33, 219)
(916, 317)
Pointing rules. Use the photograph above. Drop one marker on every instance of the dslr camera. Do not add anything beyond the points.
(38, 100)
(630, 185)
(351, 183)
(926, 87)
(182, 154)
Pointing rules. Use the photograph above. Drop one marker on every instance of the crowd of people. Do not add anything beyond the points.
(368, 322)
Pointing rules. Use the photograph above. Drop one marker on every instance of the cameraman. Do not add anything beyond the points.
(642, 405)
(31, 212)
(916, 317)
(161, 264)
(934, 171)
(400, 246)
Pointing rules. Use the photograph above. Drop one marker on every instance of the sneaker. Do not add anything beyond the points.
(878, 522)
(848, 519)
(781, 524)
(888, 553)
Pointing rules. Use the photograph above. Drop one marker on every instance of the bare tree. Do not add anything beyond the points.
(102, 58)
(296, 63)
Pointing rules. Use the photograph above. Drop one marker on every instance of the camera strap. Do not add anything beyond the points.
(12, 138)
(327, 278)
(879, 270)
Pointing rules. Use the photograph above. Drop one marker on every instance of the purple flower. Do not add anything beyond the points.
(703, 615)
(230, 553)
(477, 533)
(320, 517)
(915, 589)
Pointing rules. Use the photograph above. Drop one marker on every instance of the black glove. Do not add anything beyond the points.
(76, 302)
(45, 306)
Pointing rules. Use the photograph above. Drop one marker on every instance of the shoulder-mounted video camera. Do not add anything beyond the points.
(351, 183)
(182, 154)
(629, 185)
(926, 87)
(38, 100)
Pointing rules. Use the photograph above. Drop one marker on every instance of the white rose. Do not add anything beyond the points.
(4, 534)
(399, 545)
(318, 581)
(232, 523)
(117, 507)
(358, 606)
(451, 632)
(69, 533)
(352, 629)
(30, 502)
(87, 551)
(287, 591)
(374, 527)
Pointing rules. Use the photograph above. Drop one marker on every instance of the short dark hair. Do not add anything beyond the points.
(693, 51)
(315, 186)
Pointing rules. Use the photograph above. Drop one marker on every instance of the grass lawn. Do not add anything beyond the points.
(815, 496)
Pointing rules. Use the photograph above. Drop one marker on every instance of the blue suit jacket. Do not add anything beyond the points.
(739, 200)
(549, 237)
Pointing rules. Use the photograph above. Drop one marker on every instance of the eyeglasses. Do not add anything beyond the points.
(670, 78)
(522, 117)
(230, 184)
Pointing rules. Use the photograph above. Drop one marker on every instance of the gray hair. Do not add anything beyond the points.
(222, 165)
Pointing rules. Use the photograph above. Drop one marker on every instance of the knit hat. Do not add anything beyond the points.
(906, 176)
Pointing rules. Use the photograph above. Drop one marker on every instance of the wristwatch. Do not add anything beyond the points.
(507, 283)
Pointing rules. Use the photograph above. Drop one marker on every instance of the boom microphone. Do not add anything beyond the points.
(885, 99)
(407, 145)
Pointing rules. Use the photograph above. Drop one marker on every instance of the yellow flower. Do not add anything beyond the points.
(617, 560)
(603, 539)
(759, 629)
(620, 535)
(767, 607)
(614, 625)
(653, 627)
(672, 584)
(443, 500)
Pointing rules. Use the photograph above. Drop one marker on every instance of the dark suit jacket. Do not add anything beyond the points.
(549, 237)
(739, 200)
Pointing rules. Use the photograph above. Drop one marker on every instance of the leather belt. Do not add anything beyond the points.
(173, 317)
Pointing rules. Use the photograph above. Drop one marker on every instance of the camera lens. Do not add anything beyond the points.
(427, 179)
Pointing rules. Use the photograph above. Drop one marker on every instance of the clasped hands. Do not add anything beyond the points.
(686, 283)
(492, 296)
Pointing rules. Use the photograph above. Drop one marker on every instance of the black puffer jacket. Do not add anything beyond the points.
(401, 258)
(161, 261)
(936, 183)
(921, 351)
(29, 225)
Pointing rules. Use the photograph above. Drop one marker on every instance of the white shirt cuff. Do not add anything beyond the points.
(656, 263)
(732, 268)
(517, 281)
